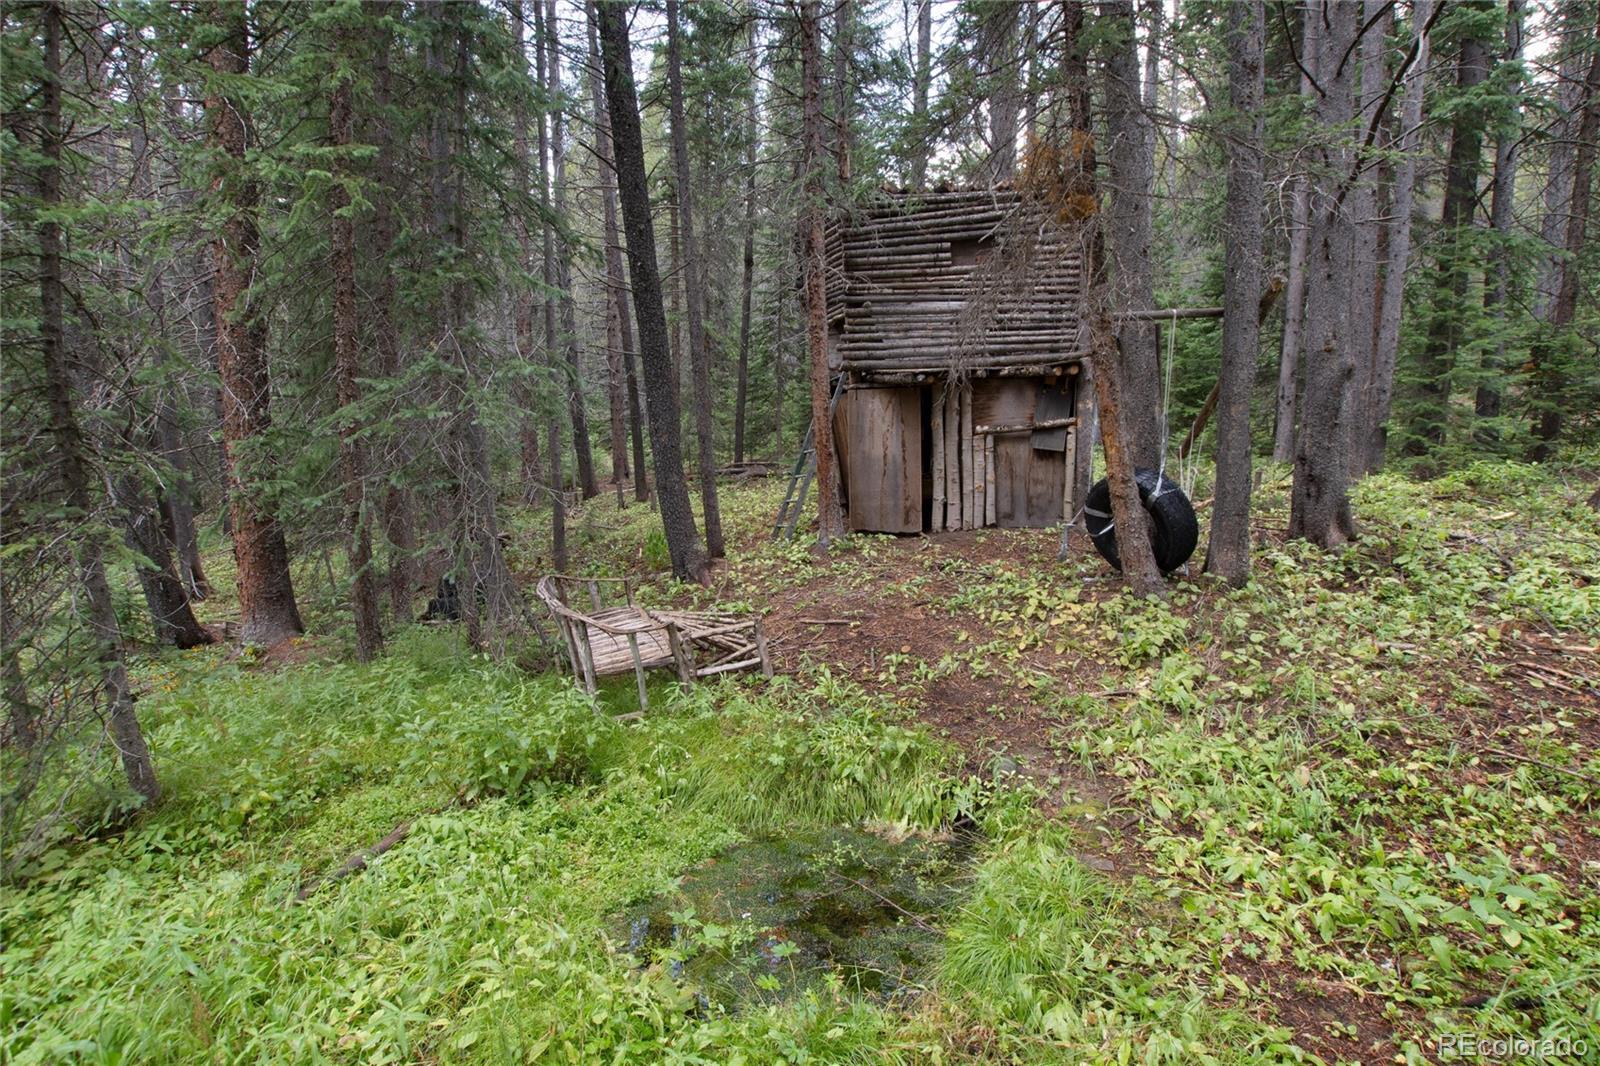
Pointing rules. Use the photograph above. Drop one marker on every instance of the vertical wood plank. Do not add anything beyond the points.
(885, 460)
(937, 428)
(990, 517)
(586, 650)
(965, 439)
(980, 478)
(1069, 504)
(638, 671)
(680, 653)
(952, 459)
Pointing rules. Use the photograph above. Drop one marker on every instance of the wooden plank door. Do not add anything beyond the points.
(1028, 481)
(884, 459)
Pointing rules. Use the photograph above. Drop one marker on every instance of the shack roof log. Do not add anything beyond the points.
(929, 282)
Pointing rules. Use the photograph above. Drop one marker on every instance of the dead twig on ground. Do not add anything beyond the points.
(868, 888)
(1531, 761)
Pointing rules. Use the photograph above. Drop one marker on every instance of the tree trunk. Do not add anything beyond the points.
(1369, 456)
(70, 447)
(1294, 297)
(1132, 176)
(177, 503)
(399, 522)
(675, 267)
(780, 369)
(346, 374)
(1445, 332)
(616, 292)
(1107, 365)
(21, 711)
(174, 499)
(830, 524)
(1004, 89)
(526, 307)
(1152, 64)
(485, 594)
(569, 318)
(694, 291)
(266, 593)
(170, 614)
(752, 133)
(1320, 501)
(1547, 371)
(922, 82)
(636, 418)
(1502, 217)
(842, 103)
(557, 477)
(1361, 204)
(1228, 552)
(677, 517)
(1562, 134)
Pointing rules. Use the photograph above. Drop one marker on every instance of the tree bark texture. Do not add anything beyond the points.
(266, 593)
(1502, 217)
(70, 445)
(694, 291)
(1005, 60)
(175, 497)
(1548, 375)
(1132, 177)
(526, 308)
(1106, 356)
(486, 596)
(1361, 203)
(164, 594)
(1562, 135)
(399, 522)
(752, 134)
(556, 485)
(569, 317)
(346, 373)
(1370, 455)
(1294, 298)
(922, 81)
(830, 524)
(615, 288)
(1228, 551)
(677, 517)
(1445, 332)
(1320, 500)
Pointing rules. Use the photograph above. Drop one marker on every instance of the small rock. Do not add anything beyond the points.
(1097, 862)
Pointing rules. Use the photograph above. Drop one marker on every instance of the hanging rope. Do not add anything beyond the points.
(1166, 404)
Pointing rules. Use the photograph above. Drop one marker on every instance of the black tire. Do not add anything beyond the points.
(1174, 530)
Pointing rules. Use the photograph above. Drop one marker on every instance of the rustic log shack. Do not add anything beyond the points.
(965, 403)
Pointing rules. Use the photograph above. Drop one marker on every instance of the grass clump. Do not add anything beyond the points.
(1070, 965)
(481, 936)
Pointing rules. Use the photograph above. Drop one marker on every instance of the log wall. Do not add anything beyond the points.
(918, 288)
(918, 283)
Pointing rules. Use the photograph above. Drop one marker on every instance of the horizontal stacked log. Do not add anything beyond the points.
(901, 303)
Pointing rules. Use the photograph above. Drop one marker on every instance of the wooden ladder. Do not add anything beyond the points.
(805, 468)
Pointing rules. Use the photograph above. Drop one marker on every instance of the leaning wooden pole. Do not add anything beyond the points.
(830, 523)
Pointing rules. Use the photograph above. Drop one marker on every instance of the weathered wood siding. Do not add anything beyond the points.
(883, 428)
(1027, 482)
(927, 279)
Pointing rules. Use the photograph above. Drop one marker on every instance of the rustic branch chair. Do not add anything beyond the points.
(604, 637)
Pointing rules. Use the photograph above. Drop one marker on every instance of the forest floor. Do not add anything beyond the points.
(1342, 815)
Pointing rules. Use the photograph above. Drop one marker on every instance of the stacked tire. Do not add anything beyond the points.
(1174, 530)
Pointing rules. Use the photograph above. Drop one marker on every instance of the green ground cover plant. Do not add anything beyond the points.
(1342, 785)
